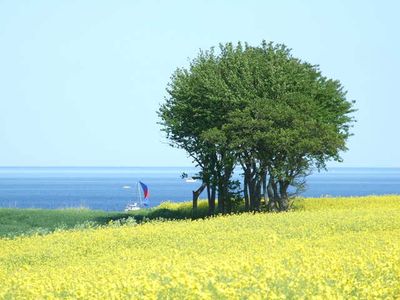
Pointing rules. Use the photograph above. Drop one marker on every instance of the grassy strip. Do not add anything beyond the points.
(24, 221)
(14, 222)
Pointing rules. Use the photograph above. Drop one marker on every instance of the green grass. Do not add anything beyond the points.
(173, 210)
(14, 222)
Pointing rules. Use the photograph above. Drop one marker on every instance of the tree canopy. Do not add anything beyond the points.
(260, 108)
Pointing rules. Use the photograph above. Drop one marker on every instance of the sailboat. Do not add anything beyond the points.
(142, 201)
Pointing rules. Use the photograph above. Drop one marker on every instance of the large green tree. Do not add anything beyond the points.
(259, 107)
(197, 107)
(293, 120)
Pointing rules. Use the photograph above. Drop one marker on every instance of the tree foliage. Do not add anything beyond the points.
(260, 108)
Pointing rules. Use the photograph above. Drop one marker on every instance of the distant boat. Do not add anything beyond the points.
(126, 187)
(143, 197)
(191, 180)
(132, 206)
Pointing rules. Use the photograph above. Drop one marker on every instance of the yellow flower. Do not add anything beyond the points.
(342, 248)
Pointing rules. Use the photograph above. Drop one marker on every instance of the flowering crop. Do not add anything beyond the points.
(327, 248)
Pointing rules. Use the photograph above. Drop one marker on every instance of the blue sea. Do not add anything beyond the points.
(112, 188)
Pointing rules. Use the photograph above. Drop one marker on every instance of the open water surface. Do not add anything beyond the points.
(106, 188)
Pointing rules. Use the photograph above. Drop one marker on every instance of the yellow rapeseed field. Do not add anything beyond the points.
(343, 248)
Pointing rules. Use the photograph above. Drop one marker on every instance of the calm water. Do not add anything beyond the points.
(102, 188)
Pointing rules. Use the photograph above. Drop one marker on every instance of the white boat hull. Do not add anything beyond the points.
(132, 207)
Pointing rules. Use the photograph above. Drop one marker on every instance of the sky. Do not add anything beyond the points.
(81, 81)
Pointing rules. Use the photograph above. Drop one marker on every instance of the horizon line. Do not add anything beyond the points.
(177, 166)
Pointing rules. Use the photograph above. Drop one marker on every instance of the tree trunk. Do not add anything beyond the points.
(211, 199)
(264, 187)
(220, 198)
(257, 194)
(271, 196)
(283, 199)
(246, 193)
(223, 190)
(276, 196)
(211, 202)
(227, 191)
(197, 193)
(252, 192)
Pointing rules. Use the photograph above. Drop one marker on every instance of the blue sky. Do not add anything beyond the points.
(80, 81)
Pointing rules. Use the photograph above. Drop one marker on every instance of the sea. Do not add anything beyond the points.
(112, 188)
